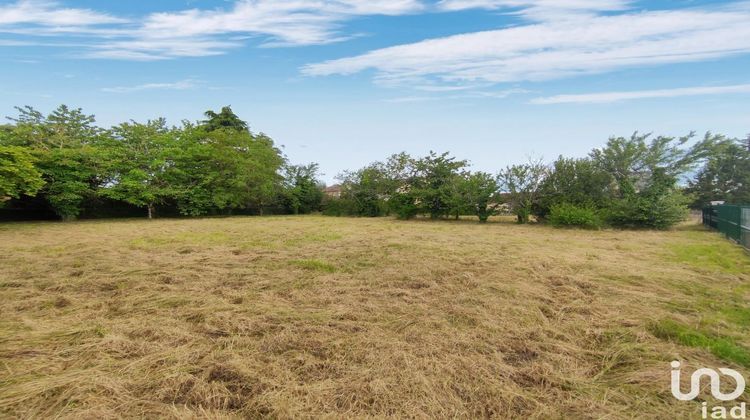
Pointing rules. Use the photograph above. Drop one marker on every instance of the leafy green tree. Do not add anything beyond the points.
(577, 182)
(63, 128)
(433, 185)
(302, 192)
(67, 146)
(523, 184)
(480, 193)
(72, 177)
(644, 176)
(225, 119)
(141, 159)
(222, 170)
(18, 175)
(399, 186)
(725, 174)
(365, 190)
(379, 189)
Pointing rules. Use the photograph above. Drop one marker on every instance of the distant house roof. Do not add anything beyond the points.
(333, 189)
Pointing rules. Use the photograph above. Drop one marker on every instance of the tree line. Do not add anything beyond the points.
(64, 164)
(67, 165)
(636, 182)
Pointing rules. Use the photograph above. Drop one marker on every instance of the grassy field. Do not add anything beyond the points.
(313, 316)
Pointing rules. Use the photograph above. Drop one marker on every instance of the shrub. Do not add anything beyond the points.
(404, 206)
(562, 215)
(338, 207)
(661, 211)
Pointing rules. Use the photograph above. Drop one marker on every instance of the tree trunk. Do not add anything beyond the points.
(150, 211)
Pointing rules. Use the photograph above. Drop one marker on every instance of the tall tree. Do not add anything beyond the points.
(141, 158)
(302, 192)
(725, 174)
(645, 174)
(223, 170)
(66, 144)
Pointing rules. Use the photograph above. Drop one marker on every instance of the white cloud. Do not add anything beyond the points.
(539, 9)
(197, 32)
(471, 94)
(557, 49)
(606, 97)
(179, 85)
(49, 13)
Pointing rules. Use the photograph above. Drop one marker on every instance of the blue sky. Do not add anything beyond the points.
(346, 82)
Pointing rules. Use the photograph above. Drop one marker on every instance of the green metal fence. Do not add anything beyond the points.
(733, 221)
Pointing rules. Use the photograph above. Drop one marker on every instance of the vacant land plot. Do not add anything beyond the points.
(311, 316)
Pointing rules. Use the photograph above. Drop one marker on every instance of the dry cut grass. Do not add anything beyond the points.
(313, 317)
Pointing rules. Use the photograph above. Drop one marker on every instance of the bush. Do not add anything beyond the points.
(567, 215)
(404, 206)
(661, 211)
(338, 207)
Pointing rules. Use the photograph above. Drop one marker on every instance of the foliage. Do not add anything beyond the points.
(657, 210)
(644, 177)
(302, 193)
(332, 206)
(72, 177)
(219, 166)
(226, 119)
(223, 170)
(363, 191)
(574, 181)
(66, 145)
(140, 161)
(725, 175)
(18, 174)
(210, 168)
(479, 193)
(569, 215)
(433, 185)
(523, 184)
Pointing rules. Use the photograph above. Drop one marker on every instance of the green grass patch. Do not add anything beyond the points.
(724, 257)
(315, 265)
(722, 347)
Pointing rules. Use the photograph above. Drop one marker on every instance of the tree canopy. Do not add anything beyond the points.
(217, 166)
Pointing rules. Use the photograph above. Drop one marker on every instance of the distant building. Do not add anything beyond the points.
(333, 191)
(717, 203)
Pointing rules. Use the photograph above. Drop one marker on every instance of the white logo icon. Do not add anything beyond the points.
(715, 381)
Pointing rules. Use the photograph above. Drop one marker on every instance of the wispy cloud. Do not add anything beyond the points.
(606, 97)
(51, 14)
(179, 85)
(197, 32)
(557, 49)
(539, 9)
(470, 94)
